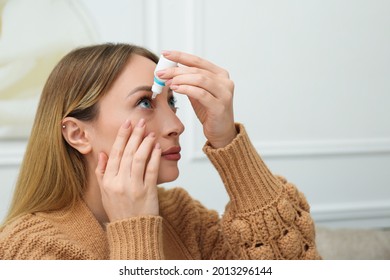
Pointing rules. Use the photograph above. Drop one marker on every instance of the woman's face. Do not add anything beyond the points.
(130, 97)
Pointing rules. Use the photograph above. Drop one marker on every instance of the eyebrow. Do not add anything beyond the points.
(140, 88)
(145, 88)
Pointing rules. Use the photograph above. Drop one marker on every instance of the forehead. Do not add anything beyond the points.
(138, 70)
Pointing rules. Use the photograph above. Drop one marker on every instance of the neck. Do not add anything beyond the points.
(93, 198)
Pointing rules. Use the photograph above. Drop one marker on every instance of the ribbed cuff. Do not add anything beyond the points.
(138, 238)
(247, 179)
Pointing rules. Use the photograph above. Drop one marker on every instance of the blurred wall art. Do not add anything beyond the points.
(34, 35)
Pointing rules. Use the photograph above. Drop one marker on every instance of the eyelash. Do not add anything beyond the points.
(150, 100)
(174, 102)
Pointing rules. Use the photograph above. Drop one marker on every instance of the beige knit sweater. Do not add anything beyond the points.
(266, 218)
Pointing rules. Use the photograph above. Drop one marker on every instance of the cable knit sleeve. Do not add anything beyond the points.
(267, 217)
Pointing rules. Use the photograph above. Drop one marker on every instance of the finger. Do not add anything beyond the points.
(214, 85)
(204, 97)
(141, 158)
(132, 146)
(194, 61)
(171, 72)
(101, 167)
(151, 173)
(117, 149)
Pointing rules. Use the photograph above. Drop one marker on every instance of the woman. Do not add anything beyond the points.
(100, 145)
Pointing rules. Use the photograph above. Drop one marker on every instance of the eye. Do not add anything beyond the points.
(145, 102)
(172, 102)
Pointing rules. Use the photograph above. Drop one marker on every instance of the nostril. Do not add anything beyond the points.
(174, 133)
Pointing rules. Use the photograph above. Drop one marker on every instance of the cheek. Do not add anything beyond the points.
(104, 137)
(150, 124)
(106, 129)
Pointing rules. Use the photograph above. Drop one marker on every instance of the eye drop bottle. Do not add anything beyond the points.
(159, 83)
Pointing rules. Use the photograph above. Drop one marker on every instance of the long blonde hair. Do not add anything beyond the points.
(53, 174)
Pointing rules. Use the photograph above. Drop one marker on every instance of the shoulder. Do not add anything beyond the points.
(21, 234)
(22, 226)
(33, 237)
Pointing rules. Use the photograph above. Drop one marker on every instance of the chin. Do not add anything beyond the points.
(167, 175)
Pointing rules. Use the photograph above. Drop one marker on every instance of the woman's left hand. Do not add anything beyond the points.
(210, 92)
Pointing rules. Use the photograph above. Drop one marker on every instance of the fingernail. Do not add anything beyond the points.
(127, 124)
(141, 123)
(168, 83)
(174, 87)
(157, 146)
(152, 134)
(165, 53)
(160, 73)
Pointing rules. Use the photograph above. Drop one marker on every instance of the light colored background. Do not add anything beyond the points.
(34, 36)
(312, 87)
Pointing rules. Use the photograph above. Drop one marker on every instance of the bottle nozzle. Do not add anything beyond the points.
(157, 87)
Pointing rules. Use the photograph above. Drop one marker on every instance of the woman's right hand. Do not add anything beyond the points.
(128, 177)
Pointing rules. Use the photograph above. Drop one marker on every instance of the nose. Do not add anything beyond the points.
(175, 128)
(170, 123)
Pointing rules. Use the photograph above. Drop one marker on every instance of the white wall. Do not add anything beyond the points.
(312, 87)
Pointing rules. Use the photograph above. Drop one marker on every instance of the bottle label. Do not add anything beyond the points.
(159, 82)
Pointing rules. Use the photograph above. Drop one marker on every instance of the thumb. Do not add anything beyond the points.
(101, 167)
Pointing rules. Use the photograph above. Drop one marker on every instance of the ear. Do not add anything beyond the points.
(76, 133)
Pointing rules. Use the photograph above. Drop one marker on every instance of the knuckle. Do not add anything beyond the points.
(169, 72)
(136, 193)
(128, 154)
(200, 79)
(116, 187)
(98, 173)
(152, 169)
(194, 70)
(122, 133)
(174, 71)
(229, 97)
(220, 109)
(224, 73)
(138, 131)
(184, 88)
(118, 192)
(138, 159)
(116, 152)
(177, 55)
(203, 93)
(197, 60)
(231, 85)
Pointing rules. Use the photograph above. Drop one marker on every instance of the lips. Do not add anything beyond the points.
(172, 153)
